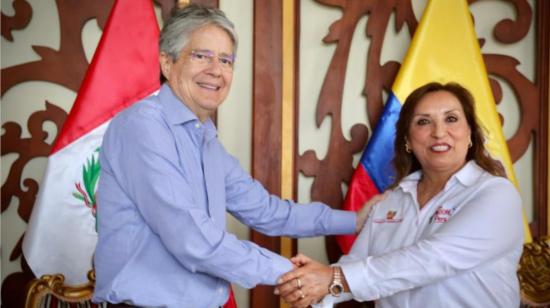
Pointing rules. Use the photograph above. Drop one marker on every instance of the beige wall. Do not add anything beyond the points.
(234, 118)
(235, 115)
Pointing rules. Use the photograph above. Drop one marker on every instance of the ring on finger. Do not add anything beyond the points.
(302, 296)
(299, 283)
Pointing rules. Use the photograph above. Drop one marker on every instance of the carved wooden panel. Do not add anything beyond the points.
(336, 167)
(65, 66)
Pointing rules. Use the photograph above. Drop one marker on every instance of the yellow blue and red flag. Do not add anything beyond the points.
(444, 49)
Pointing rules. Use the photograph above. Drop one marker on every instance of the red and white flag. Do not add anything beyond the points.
(61, 235)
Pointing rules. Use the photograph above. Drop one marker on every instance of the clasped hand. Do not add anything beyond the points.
(306, 284)
(309, 281)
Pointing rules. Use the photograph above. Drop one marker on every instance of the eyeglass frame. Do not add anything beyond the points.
(209, 58)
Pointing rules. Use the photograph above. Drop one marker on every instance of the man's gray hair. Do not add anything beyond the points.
(180, 26)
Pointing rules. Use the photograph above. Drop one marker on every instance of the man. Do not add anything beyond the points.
(167, 182)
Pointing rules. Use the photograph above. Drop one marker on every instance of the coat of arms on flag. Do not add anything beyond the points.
(66, 201)
(90, 176)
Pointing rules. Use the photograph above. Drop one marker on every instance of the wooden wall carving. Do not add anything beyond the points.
(66, 67)
(337, 167)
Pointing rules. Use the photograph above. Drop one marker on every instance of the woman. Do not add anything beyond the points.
(448, 234)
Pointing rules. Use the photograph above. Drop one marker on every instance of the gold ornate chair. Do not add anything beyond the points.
(534, 274)
(47, 289)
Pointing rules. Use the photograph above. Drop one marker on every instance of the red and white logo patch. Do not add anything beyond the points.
(441, 215)
(390, 218)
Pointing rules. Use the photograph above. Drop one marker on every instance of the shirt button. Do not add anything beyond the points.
(220, 290)
(197, 125)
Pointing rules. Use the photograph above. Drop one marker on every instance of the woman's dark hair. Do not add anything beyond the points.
(406, 163)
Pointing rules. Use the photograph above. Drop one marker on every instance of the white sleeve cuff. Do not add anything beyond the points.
(329, 300)
(362, 288)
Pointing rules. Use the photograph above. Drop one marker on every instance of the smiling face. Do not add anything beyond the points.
(439, 134)
(202, 85)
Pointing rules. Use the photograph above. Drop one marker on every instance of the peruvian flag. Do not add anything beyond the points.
(61, 235)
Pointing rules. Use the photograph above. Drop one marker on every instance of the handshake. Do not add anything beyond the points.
(309, 282)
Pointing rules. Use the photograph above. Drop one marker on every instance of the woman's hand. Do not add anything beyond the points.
(363, 214)
(307, 284)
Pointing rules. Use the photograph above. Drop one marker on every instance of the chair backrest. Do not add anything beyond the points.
(534, 274)
(51, 288)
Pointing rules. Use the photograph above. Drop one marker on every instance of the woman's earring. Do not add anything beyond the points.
(407, 149)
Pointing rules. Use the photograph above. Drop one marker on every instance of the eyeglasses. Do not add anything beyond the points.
(204, 57)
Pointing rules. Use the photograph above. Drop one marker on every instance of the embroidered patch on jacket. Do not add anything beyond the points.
(441, 215)
(390, 218)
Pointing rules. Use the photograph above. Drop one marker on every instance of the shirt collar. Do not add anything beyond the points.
(408, 183)
(209, 129)
(467, 175)
(178, 113)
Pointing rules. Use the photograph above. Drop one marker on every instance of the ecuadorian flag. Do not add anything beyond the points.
(444, 49)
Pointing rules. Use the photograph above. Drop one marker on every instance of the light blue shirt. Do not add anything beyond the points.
(166, 184)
